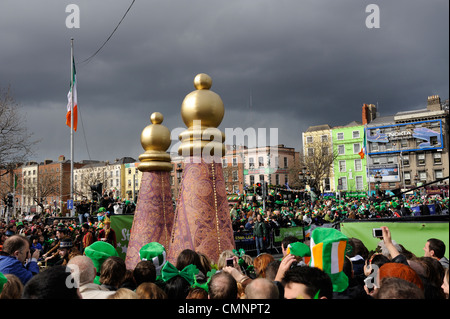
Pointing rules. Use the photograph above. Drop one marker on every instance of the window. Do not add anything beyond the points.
(342, 167)
(390, 159)
(277, 179)
(252, 179)
(286, 179)
(326, 183)
(404, 143)
(359, 182)
(261, 178)
(324, 138)
(437, 158)
(422, 176)
(405, 160)
(356, 148)
(341, 149)
(309, 139)
(325, 151)
(420, 159)
(224, 162)
(129, 183)
(285, 162)
(310, 151)
(376, 160)
(438, 174)
(234, 161)
(342, 183)
(340, 136)
(374, 147)
(261, 161)
(251, 162)
(358, 165)
(235, 176)
(355, 134)
(407, 177)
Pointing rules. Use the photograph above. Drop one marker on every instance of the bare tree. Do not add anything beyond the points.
(318, 160)
(47, 185)
(15, 141)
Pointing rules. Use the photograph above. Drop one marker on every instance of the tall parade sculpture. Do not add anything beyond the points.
(154, 215)
(202, 222)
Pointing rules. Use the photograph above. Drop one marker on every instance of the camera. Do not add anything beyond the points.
(230, 262)
(377, 233)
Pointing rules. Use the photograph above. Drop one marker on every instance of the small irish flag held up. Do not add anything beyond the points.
(328, 253)
(73, 90)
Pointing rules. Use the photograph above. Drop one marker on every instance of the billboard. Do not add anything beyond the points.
(388, 172)
(405, 137)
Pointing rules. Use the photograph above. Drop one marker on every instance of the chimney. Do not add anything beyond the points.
(434, 103)
(369, 113)
(61, 158)
(48, 161)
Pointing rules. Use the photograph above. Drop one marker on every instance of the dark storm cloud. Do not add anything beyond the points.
(301, 63)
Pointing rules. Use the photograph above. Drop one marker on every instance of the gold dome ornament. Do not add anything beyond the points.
(155, 139)
(202, 111)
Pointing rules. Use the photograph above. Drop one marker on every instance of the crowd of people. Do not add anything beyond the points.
(37, 258)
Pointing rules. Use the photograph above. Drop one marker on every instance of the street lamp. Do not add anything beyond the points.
(378, 178)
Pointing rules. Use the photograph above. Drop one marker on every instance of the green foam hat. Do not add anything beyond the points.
(3, 281)
(98, 252)
(299, 249)
(156, 253)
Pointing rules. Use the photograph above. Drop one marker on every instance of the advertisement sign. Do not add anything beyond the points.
(388, 172)
(405, 137)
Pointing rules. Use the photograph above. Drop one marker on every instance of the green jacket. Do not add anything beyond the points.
(260, 229)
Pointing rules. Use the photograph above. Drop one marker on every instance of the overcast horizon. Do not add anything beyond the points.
(284, 64)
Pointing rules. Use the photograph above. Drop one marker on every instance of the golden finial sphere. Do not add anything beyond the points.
(156, 136)
(202, 104)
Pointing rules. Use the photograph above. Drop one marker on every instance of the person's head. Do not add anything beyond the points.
(261, 288)
(51, 284)
(306, 282)
(205, 263)
(84, 269)
(434, 248)
(222, 286)
(188, 257)
(358, 248)
(222, 261)
(401, 271)
(397, 288)
(286, 241)
(113, 271)
(12, 289)
(123, 293)
(17, 246)
(272, 269)
(260, 263)
(258, 217)
(144, 271)
(177, 288)
(376, 260)
(149, 290)
(197, 293)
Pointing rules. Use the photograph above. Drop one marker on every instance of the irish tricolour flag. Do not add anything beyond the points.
(73, 90)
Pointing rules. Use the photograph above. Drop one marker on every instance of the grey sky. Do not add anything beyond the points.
(303, 62)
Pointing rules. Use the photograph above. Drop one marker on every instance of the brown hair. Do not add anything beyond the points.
(113, 271)
(123, 293)
(12, 289)
(149, 290)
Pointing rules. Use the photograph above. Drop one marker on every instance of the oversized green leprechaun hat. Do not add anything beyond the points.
(3, 281)
(98, 252)
(156, 253)
(328, 253)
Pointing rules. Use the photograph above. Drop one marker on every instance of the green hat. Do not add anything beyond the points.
(3, 281)
(102, 209)
(156, 253)
(98, 252)
(328, 247)
(299, 249)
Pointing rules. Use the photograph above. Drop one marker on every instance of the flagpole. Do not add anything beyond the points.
(71, 122)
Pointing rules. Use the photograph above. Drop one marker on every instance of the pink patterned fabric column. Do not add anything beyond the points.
(153, 218)
(202, 221)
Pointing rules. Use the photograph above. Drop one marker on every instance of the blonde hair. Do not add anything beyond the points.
(222, 262)
(124, 293)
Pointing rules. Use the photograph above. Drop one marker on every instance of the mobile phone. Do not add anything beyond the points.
(230, 262)
(377, 233)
